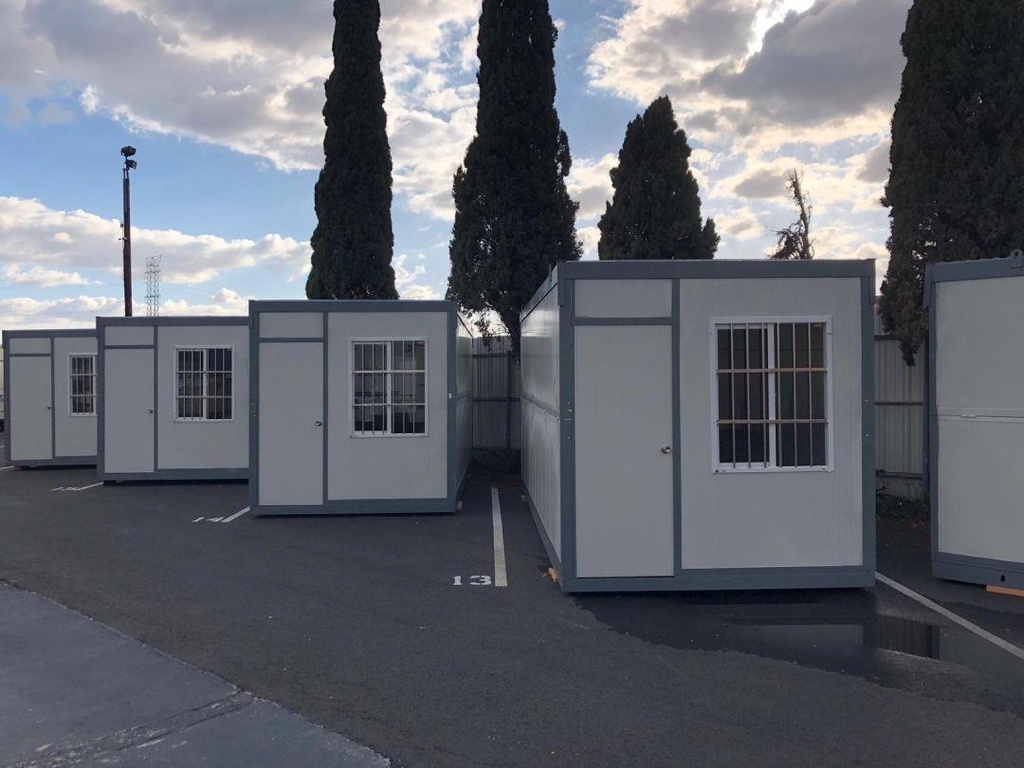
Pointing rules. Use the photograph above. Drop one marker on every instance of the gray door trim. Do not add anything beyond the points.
(325, 341)
(53, 401)
(677, 436)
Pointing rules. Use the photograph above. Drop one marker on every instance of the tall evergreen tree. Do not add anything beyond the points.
(956, 188)
(353, 240)
(655, 211)
(513, 216)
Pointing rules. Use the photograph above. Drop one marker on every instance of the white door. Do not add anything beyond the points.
(128, 411)
(291, 414)
(31, 416)
(624, 451)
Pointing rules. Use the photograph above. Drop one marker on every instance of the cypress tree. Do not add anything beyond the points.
(353, 240)
(655, 210)
(513, 216)
(956, 188)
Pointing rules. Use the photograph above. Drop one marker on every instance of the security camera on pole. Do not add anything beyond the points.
(129, 164)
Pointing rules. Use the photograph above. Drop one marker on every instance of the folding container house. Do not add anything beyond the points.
(174, 398)
(359, 406)
(976, 415)
(702, 424)
(50, 397)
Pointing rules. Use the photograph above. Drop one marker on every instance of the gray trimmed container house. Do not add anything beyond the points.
(50, 397)
(692, 425)
(359, 407)
(976, 420)
(173, 398)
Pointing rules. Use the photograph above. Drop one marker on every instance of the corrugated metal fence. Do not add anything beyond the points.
(495, 395)
(899, 414)
(899, 409)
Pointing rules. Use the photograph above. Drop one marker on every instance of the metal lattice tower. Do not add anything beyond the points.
(153, 286)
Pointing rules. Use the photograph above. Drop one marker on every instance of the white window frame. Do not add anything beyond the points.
(204, 348)
(768, 466)
(388, 341)
(72, 395)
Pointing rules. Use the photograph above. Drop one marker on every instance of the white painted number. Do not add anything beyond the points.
(474, 581)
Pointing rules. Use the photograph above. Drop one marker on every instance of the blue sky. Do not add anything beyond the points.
(222, 99)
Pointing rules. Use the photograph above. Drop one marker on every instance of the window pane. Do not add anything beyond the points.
(784, 396)
(803, 445)
(739, 383)
(803, 395)
(784, 337)
(758, 444)
(755, 347)
(739, 349)
(818, 395)
(786, 436)
(818, 345)
(420, 355)
(725, 451)
(756, 404)
(724, 350)
(725, 397)
(742, 452)
(421, 388)
(820, 447)
(801, 330)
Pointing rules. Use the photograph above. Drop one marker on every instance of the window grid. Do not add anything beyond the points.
(389, 392)
(82, 380)
(772, 409)
(204, 384)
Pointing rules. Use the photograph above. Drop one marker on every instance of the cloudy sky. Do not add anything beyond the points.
(222, 98)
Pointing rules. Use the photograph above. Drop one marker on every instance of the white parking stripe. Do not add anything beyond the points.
(500, 576)
(235, 516)
(958, 620)
(3, 468)
(87, 487)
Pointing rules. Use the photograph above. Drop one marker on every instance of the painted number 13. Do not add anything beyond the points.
(474, 581)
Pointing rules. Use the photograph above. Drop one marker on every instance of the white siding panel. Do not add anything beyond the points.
(542, 469)
(29, 346)
(291, 325)
(75, 435)
(202, 444)
(981, 487)
(396, 467)
(623, 298)
(771, 519)
(128, 335)
(539, 352)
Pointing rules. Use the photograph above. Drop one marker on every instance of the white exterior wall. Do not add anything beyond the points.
(979, 363)
(387, 467)
(202, 444)
(541, 441)
(74, 436)
(464, 397)
(766, 519)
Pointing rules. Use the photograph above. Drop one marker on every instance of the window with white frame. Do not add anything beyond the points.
(204, 384)
(772, 394)
(389, 387)
(82, 379)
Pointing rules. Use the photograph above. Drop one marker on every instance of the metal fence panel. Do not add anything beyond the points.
(496, 395)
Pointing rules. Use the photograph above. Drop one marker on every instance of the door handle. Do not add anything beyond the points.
(319, 423)
(666, 449)
(49, 407)
(150, 411)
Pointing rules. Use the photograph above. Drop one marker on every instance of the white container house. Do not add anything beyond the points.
(697, 425)
(174, 398)
(976, 420)
(50, 397)
(359, 407)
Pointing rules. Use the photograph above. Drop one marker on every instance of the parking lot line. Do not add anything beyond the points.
(500, 575)
(3, 468)
(235, 516)
(958, 620)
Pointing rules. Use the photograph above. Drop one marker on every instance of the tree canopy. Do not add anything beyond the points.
(353, 241)
(655, 209)
(794, 242)
(956, 183)
(514, 219)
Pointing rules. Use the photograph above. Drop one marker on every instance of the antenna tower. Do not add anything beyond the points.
(153, 286)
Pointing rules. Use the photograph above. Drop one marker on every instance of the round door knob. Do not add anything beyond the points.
(666, 449)
(150, 411)
(319, 423)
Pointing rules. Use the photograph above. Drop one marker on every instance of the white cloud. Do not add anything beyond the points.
(40, 276)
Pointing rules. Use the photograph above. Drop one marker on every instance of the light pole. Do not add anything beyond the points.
(129, 164)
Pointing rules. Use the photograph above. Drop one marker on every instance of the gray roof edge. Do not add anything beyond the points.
(177, 320)
(350, 305)
(698, 269)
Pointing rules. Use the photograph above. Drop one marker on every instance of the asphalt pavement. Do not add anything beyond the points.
(390, 632)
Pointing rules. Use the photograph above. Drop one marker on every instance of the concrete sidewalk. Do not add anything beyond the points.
(76, 693)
